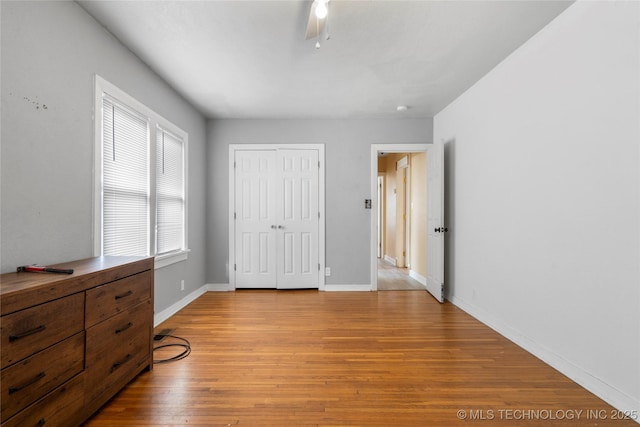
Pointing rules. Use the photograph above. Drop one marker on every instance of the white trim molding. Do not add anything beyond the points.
(348, 288)
(390, 260)
(419, 277)
(177, 306)
(619, 400)
(220, 287)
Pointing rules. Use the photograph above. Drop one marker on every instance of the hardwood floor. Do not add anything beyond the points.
(308, 358)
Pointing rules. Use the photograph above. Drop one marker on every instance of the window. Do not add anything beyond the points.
(125, 181)
(169, 192)
(140, 193)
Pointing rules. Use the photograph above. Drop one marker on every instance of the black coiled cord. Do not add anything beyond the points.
(185, 344)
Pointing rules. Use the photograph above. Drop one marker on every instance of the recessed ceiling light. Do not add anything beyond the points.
(401, 108)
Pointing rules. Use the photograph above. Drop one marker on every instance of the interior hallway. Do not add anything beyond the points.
(392, 278)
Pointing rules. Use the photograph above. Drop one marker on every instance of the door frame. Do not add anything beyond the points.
(381, 187)
(321, 202)
(404, 164)
(375, 149)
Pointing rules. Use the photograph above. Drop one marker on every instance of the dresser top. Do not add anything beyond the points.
(88, 273)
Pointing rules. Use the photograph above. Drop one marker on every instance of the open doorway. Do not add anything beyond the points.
(400, 247)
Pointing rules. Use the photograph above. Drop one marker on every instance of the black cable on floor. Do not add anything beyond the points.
(185, 344)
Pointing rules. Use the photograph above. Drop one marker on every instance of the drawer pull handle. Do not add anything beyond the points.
(16, 337)
(41, 422)
(126, 294)
(120, 363)
(37, 378)
(124, 328)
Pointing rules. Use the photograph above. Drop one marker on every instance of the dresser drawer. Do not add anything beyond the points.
(28, 331)
(27, 381)
(46, 365)
(116, 347)
(61, 407)
(115, 297)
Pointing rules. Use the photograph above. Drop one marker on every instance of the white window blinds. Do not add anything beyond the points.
(170, 189)
(125, 207)
(140, 181)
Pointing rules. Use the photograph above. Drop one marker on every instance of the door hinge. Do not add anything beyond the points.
(234, 164)
(318, 266)
(234, 267)
(318, 215)
(318, 164)
(234, 216)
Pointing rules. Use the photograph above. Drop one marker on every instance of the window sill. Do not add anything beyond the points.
(171, 258)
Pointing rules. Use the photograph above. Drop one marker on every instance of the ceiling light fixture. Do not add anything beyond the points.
(318, 29)
(321, 9)
(401, 108)
(318, 23)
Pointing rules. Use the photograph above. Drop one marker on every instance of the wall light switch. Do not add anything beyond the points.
(327, 271)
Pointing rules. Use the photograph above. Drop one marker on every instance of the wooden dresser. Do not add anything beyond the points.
(70, 342)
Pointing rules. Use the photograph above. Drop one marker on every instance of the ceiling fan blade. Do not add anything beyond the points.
(314, 25)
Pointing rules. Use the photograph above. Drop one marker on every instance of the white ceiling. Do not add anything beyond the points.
(249, 59)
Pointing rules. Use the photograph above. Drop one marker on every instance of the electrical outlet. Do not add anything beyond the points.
(327, 271)
(182, 285)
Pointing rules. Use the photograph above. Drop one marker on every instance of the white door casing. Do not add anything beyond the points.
(437, 189)
(276, 203)
(380, 216)
(435, 221)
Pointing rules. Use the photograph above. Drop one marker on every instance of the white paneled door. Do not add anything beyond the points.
(435, 220)
(276, 210)
(255, 219)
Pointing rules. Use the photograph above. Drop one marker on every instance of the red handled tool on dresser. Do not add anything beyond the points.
(38, 269)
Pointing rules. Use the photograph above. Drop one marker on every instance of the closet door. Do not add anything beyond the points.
(298, 225)
(276, 199)
(255, 219)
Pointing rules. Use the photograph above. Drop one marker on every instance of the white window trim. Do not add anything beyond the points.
(101, 86)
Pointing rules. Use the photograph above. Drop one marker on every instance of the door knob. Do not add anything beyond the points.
(273, 226)
(437, 230)
(281, 227)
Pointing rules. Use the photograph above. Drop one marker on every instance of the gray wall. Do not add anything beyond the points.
(543, 203)
(347, 163)
(50, 53)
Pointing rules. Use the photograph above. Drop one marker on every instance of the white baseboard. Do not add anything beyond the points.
(419, 277)
(220, 287)
(176, 307)
(390, 260)
(347, 288)
(225, 287)
(609, 394)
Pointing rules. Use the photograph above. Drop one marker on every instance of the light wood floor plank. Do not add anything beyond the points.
(308, 358)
